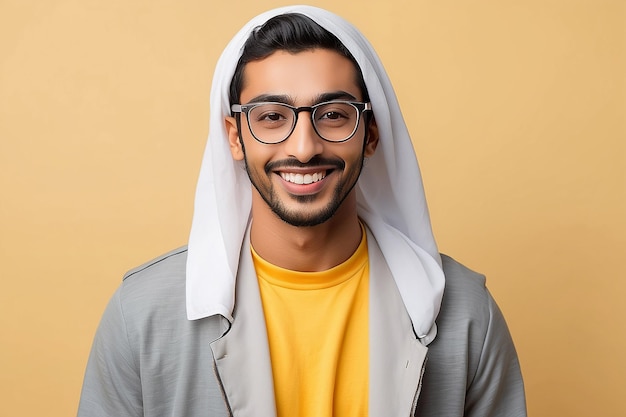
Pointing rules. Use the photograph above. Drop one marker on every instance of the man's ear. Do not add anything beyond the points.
(236, 150)
(372, 138)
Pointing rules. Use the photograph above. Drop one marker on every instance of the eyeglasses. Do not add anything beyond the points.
(333, 121)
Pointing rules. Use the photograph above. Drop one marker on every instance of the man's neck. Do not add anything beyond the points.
(314, 248)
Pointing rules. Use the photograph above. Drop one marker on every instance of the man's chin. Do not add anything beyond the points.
(305, 219)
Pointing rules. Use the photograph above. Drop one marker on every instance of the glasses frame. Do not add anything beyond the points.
(359, 106)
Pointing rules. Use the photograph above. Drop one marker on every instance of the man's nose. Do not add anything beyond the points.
(304, 143)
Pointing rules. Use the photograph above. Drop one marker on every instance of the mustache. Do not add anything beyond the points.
(312, 163)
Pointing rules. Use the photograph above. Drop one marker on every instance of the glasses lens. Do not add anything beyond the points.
(336, 121)
(271, 122)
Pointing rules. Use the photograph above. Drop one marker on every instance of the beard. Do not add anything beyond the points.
(304, 218)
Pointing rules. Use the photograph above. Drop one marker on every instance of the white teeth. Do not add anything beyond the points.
(303, 179)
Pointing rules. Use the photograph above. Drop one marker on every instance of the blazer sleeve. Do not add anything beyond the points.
(112, 385)
(496, 388)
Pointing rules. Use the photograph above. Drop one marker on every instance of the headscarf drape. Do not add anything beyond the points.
(390, 194)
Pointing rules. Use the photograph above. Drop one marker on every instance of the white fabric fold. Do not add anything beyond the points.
(390, 193)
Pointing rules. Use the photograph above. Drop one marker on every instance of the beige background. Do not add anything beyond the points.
(517, 110)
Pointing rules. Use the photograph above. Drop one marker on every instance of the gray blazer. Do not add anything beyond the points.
(148, 360)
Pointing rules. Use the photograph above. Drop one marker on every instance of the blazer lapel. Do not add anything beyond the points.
(397, 358)
(242, 355)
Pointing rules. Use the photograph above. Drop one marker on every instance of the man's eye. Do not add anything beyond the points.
(271, 117)
(332, 115)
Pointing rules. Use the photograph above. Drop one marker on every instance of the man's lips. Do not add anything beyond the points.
(303, 181)
(315, 165)
(303, 178)
(301, 174)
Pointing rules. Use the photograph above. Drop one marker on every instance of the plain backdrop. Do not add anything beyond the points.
(517, 111)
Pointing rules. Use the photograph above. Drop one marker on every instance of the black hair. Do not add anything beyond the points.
(291, 32)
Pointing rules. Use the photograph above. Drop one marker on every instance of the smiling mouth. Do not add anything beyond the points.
(305, 179)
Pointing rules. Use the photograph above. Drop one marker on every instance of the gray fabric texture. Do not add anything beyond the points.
(149, 360)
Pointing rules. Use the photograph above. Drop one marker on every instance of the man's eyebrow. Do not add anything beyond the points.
(274, 98)
(320, 98)
(335, 95)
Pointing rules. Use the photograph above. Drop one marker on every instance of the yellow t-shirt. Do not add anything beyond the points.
(317, 325)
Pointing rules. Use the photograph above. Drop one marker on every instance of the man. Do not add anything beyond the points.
(311, 285)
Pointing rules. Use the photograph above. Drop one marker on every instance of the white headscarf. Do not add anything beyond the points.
(390, 193)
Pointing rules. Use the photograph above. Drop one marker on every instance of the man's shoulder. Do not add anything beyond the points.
(149, 312)
(157, 285)
(172, 262)
(459, 276)
(472, 360)
(465, 298)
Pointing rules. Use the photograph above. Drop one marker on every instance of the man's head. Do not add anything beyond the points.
(390, 195)
(305, 174)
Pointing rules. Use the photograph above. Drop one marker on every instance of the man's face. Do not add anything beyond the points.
(305, 179)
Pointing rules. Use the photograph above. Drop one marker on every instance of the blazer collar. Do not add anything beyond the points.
(397, 358)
